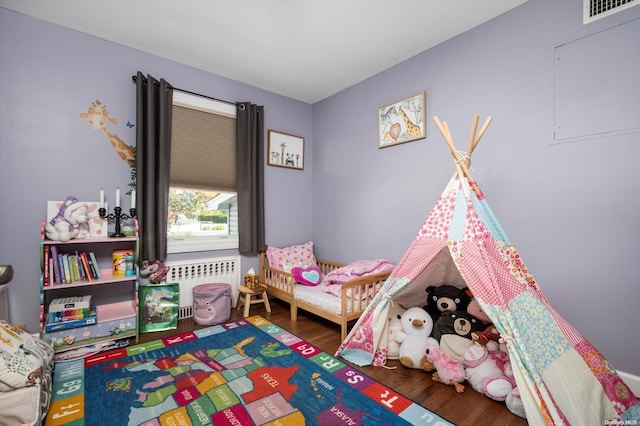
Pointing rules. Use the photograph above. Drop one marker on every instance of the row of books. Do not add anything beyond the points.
(61, 268)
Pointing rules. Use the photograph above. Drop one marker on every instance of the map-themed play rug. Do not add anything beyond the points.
(245, 372)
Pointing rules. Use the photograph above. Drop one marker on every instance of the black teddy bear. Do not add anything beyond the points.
(446, 298)
(453, 332)
(459, 323)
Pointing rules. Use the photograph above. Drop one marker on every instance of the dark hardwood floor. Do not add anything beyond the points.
(467, 408)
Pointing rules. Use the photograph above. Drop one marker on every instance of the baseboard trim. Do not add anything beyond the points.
(632, 381)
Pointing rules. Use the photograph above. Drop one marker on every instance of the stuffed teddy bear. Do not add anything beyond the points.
(153, 272)
(445, 298)
(453, 331)
(417, 326)
(448, 370)
(395, 332)
(70, 222)
(484, 372)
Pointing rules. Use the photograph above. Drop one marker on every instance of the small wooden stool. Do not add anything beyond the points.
(246, 295)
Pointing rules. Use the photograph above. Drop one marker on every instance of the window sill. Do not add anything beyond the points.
(188, 245)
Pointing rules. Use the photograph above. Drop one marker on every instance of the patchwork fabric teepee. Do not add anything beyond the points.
(562, 378)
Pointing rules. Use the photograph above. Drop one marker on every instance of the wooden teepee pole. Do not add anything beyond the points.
(462, 164)
(461, 167)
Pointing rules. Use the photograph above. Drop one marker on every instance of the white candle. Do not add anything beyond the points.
(118, 197)
(133, 198)
(101, 198)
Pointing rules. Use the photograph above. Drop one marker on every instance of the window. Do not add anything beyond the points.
(203, 206)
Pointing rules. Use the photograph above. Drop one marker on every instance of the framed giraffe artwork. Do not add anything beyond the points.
(402, 121)
(285, 150)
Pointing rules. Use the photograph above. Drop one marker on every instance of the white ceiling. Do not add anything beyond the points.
(303, 49)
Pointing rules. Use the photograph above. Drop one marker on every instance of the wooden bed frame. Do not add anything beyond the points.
(281, 285)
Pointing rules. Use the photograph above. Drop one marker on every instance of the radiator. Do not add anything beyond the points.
(191, 273)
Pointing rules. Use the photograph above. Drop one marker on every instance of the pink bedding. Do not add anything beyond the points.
(333, 281)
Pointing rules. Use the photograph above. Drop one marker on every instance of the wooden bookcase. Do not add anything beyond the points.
(113, 297)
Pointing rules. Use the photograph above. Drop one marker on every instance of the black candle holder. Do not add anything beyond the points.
(118, 217)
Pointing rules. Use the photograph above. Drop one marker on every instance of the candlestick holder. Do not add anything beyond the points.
(118, 217)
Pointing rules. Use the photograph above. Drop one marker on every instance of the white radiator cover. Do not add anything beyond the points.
(190, 273)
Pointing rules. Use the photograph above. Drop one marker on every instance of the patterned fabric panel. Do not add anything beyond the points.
(606, 375)
(490, 276)
(418, 256)
(536, 331)
(577, 391)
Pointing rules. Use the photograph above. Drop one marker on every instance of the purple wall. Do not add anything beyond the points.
(571, 209)
(49, 74)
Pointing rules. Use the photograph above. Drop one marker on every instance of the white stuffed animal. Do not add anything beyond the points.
(483, 372)
(396, 334)
(70, 222)
(417, 326)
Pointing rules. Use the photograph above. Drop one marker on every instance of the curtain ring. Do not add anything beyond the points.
(241, 107)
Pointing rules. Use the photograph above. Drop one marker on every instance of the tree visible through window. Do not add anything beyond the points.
(195, 213)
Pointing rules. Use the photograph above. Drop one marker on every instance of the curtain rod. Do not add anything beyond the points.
(134, 78)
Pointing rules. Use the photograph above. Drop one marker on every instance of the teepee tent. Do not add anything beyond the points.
(562, 378)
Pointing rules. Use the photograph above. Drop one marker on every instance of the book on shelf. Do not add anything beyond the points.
(73, 265)
(81, 273)
(65, 325)
(56, 264)
(63, 277)
(85, 267)
(67, 272)
(95, 266)
(45, 267)
(51, 274)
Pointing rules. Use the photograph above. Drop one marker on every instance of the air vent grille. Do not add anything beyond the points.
(596, 9)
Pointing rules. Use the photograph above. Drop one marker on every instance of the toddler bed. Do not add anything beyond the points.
(279, 273)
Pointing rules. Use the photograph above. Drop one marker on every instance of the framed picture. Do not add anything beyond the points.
(402, 121)
(285, 150)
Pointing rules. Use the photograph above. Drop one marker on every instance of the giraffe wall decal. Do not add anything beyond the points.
(97, 118)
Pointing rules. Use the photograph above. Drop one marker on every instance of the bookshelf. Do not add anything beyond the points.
(113, 296)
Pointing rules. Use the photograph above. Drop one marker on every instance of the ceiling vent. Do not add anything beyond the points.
(596, 9)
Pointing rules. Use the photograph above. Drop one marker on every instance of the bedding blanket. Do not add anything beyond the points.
(333, 281)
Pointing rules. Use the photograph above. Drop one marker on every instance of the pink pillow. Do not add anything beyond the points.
(311, 275)
(301, 254)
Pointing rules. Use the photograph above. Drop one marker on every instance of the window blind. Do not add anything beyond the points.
(203, 150)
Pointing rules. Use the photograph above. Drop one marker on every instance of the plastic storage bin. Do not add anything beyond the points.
(211, 303)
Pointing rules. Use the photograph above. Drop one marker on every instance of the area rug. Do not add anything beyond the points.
(245, 372)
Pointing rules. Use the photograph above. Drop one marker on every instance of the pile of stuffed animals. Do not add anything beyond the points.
(453, 338)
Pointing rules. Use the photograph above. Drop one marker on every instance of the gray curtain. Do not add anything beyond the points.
(250, 179)
(153, 151)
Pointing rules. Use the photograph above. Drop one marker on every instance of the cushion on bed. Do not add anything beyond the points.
(288, 266)
(310, 275)
(298, 254)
